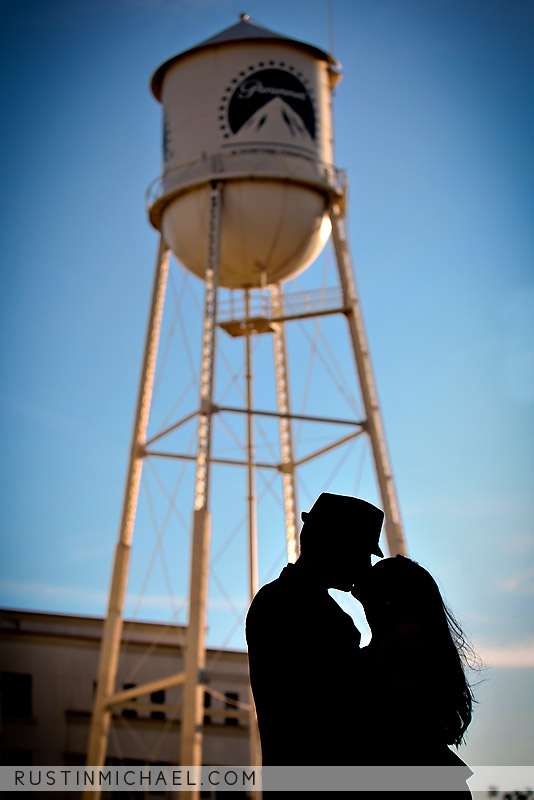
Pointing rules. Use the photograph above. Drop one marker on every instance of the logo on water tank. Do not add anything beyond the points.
(268, 104)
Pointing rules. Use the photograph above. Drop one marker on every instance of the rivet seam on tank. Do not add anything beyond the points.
(269, 96)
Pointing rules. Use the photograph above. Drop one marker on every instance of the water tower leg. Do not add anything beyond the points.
(286, 436)
(111, 637)
(255, 749)
(251, 484)
(375, 428)
(195, 655)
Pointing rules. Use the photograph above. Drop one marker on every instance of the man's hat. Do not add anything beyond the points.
(349, 513)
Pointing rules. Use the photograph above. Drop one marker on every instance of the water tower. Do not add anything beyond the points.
(248, 198)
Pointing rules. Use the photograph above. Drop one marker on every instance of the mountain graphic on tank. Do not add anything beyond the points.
(259, 89)
(275, 122)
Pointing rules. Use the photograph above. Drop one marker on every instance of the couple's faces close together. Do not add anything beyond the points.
(351, 568)
(344, 562)
(356, 571)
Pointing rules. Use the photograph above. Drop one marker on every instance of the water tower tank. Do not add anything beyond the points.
(251, 108)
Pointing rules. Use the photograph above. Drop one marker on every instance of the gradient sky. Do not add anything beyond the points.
(433, 124)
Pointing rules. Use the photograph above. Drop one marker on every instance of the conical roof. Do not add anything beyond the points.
(242, 31)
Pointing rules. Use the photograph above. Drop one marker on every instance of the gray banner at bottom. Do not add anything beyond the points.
(250, 778)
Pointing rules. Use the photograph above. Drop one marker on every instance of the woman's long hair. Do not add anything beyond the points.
(414, 597)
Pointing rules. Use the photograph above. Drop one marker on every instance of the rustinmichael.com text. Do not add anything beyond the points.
(135, 778)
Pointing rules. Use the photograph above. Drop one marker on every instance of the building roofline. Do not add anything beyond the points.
(56, 616)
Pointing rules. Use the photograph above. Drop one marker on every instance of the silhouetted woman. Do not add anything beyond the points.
(419, 698)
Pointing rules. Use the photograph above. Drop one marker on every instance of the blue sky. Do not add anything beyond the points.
(433, 124)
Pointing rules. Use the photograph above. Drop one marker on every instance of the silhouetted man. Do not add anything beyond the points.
(303, 648)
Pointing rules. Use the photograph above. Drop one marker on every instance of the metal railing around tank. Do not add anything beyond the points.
(243, 164)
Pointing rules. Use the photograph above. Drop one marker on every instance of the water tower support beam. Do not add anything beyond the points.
(255, 749)
(375, 428)
(111, 636)
(195, 655)
(286, 435)
(251, 487)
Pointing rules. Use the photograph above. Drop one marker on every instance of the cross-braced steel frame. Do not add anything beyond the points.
(193, 677)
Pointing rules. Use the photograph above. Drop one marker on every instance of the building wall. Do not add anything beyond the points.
(48, 665)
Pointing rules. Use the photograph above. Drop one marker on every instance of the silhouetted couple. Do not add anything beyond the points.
(320, 699)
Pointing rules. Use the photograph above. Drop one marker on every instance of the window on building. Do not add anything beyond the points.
(158, 697)
(231, 696)
(207, 704)
(16, 691)
(129, 713)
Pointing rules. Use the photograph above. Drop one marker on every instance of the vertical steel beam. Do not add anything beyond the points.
(286, 435)
(251, 482)
(255, 749)
(111, 637)
(195, 655)
(375, 428)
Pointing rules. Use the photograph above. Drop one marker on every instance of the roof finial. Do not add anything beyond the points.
(244, 17)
